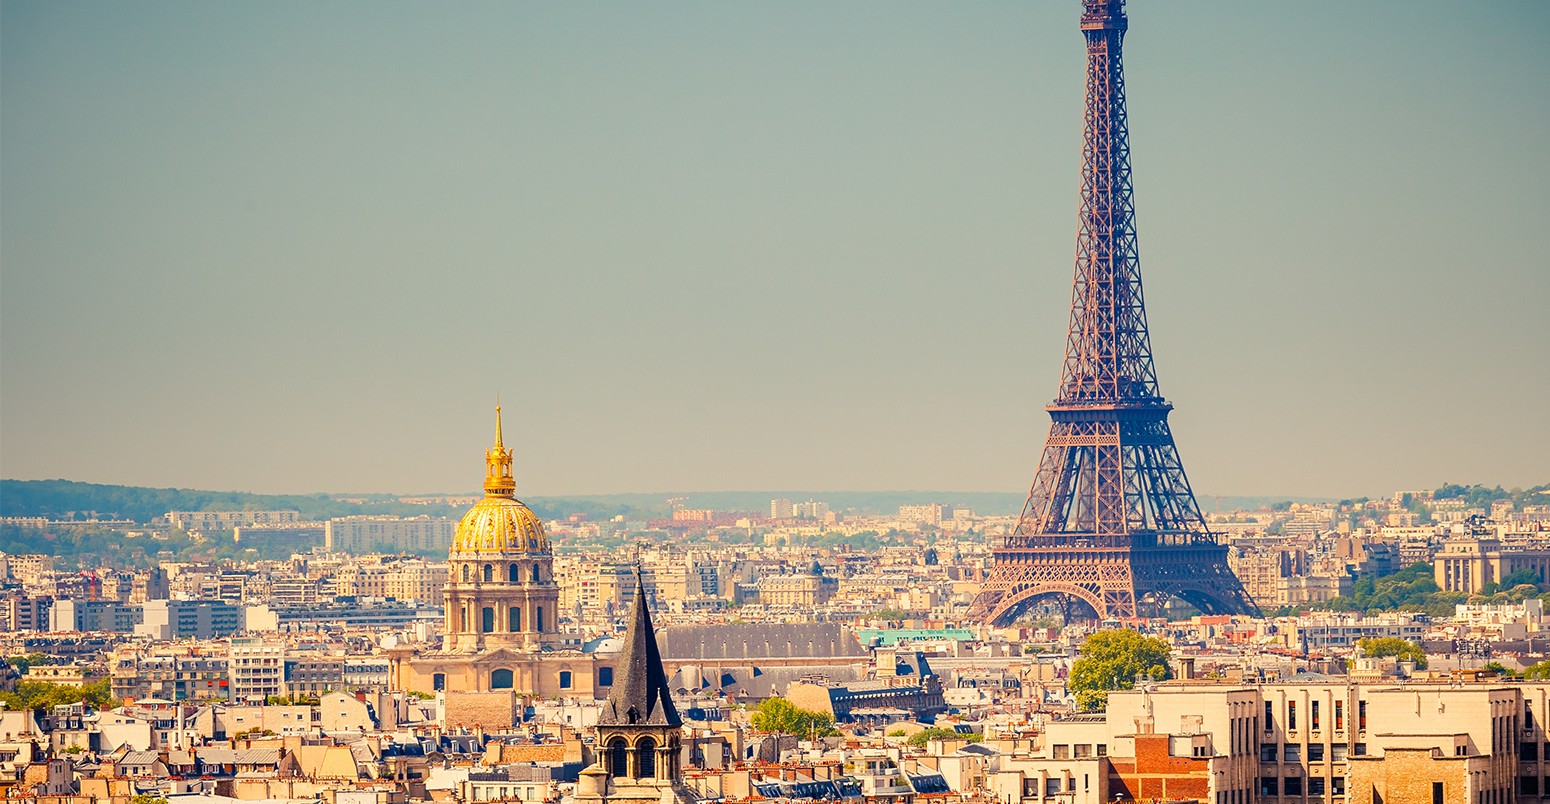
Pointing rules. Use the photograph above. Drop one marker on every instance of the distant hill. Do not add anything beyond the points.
(61, 499)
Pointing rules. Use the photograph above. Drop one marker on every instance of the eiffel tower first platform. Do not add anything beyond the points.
(1111, 520)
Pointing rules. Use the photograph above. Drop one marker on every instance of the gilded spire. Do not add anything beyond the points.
(498, 481)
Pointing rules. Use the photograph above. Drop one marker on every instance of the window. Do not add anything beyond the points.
(1315, 785)
(438, 682)
(1361, 715)
(465, 573)
(618, 757)
(487, 620)
(1081, 751)
(538, 618)
(1360, 749)
(1313, 715)
(1316, 752)
(1528, 752)
(605, 676)
(513, 573)
(1270, 716)
(1293, 753)
(1292, 786)
(501, 679)
(514, 619)
(646, 759)
(1337, 752)
(1062, 752)
(1528, 785)
(1437, 793)
(1291, 715)
(1103, 749)
(1267, 752)
(564, 679)
(1339, 715)
(1269, 786)
(536, 577)
(1337, 785)
(489, 573)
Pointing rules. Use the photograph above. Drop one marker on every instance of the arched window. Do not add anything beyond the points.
(565, 679)
(487, 620)
(605, 676)
(514, 573)
(489, 573)
(515, 619)
(465, 573)
(439, 682)
(501, 679)
(536, 577)
(646, 758)
(538, 619)
(618, 757)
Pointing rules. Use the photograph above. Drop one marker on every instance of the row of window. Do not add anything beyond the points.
(1293, 786)
(1315, 721)
(513, 573)
(513, 620)
(1293, 752)
(505, 679)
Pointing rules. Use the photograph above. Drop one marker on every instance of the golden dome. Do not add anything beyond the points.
(499, 523)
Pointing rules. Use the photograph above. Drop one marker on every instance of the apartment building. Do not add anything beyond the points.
(386, 534)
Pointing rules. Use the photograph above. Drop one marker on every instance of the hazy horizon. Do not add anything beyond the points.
(280, 246)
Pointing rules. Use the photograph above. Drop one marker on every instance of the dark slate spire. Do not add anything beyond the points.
(640, 684)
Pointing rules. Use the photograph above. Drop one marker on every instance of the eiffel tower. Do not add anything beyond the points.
(1111, 520)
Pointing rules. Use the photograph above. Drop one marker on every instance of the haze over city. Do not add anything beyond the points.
(285, 247)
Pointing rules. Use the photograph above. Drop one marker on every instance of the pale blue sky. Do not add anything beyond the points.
(289, 246)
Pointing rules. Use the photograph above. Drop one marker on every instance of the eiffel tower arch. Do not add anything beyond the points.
(1111, 521)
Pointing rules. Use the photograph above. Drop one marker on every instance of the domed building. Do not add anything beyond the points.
(500, 579)
(501, 630)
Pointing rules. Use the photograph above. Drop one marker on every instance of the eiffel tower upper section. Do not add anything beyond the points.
(1108, 352)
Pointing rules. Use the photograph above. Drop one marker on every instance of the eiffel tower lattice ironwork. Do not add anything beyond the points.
(1111, 519)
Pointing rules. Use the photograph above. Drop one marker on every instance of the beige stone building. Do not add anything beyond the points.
(803, 590)
(1334, 741)
(1467, 564)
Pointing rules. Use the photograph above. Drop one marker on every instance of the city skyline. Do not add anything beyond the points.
(289, 249)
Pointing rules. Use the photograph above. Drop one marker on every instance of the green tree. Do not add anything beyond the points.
(1539, 671)
(42, 695)
(780, 716)
(1500, 669)
(1519, 578)
(1402, 649)
(920, 738)
(21, 663)
(1113, 660)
